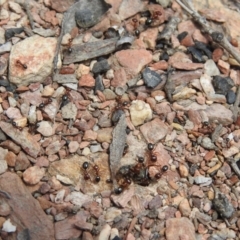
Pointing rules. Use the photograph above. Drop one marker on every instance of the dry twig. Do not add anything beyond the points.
(217, 37)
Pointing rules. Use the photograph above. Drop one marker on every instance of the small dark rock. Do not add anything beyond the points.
(4, 82)
(164, 56)
(160, 46)
(153, 213)
(231, 97)
(170, 212)
(222, 205)
(182, 35)
(85, 18)
(111, 33)
(222, 84)
(151, 78)
(101, 67)
(196, 54)
(10, 32)
(24, 235)
(197, 202)
(203, 47)
(116, 238)
(116, 116)
(98, 84)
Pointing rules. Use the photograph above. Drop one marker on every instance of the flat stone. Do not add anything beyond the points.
(39, 63)
(86, 80)
(78, 198)
(3, 166)
(61, 5)
(187, 65)
(33, 175)
(45, 128)
(140, 112)
(222, 84)
(154, 131)
(149, 37)
(185, 208)
(128, 9)
(133, 60)
(220, 113)
(231, 97)
(210, 68)
(123, 199)
(100, 67)
(26, 211)
(105, 232)
(22, 138)
(151, 78)
(178, 228)
(73, 146)
(111, 213)
(104, 135)
(185, 93)
(69, 111)
(66, 228)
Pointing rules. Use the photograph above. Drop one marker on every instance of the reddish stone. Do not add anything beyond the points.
(11, 146)
(187, 65)
(224, 67)
(120, 78)
(22, 162)
(11, 159)
(86, 80)
(161, 65)
(209, 155)
(42, 162)
(133, 60)
(217, 54)
(187, 41)
(50, 16)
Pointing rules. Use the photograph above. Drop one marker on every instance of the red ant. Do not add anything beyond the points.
(153, 155)
(123, 184)
(22, 65)
(70, 45)
(43, 104)
(96, 170)
(15, 125)
(163, 170)
(119, 109)
(156, 14)
(86, 175)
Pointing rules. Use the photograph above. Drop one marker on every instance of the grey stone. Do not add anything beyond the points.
(222, 84)
(101, 66)
(151, 78)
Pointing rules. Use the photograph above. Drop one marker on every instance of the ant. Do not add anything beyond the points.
(135, 24)
(163, 170)
(153, 155)
(86, 175)
(65, 98)
(154, 16)
(43, 104)
(70, 45)
(19, 63)
(123, 184)
(96, 170)
(32, 127)
(15, 125)
(140, 165)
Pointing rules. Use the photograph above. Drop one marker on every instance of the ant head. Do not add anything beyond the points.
(140, 159)
(118, 190)
(150, 146)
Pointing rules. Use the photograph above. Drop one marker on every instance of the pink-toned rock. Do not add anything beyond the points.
(53, 147)
(87, 236)
(120, 78)
(61, 5)
(186, 26)
(217, 54)
(50, 16)
(149, 37)
(154, 131)
(94, 208)
(90, 135)
(22, 162)
(123, 199)
(187, 65)
(187, 41)
(197, 36)
(42, 161)
(128, 9)
(11, 159)
(201, 100)
(185, 208)
(86, 80)
(13, 113)
(133, 60)
(73, 146)
(11, 146)
(224, 67)
(26, 212)
(161, 65)
(179, 228)
(179, 57)
(33, 175)
(213, 14)
(22, 138)
(66, 229)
